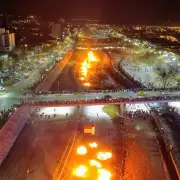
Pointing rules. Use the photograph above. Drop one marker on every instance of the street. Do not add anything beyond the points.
(144, 159)
(89, 115)
(40, 145)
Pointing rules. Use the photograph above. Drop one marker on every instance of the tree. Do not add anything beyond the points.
(1, 64)
(166, 75)
(14, 56)
(17, 54)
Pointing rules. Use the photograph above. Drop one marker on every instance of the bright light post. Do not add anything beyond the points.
(25, 48)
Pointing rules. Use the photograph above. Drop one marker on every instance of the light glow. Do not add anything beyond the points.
(87, 84)
(104, 155)
(82, 150)
(95, 163)
(104, 174)
(91, 57)
(86, 67)
(82, 78)
(80, 171)
(57, 110)
(92, 111)
(93, 145)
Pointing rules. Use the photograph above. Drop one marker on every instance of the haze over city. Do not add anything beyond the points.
(89, 90)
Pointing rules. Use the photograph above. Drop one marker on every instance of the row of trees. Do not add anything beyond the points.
(167, 76)
(13, 57)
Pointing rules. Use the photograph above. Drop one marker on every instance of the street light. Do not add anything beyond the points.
(25, 47)
(58, 85)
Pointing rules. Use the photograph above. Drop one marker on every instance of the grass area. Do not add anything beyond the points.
(140, 93)
(111, 110)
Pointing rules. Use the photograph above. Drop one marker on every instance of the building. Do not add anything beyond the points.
(58, 29)
(3, 21)
(7, 40)
(83, 21)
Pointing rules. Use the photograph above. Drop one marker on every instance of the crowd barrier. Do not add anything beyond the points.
(10, 131)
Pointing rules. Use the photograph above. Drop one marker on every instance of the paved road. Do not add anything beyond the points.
(65, 81)
(171, 127)
(13, 93)
(34, 76)
(93, 115)
(40, 146)
(144, 159)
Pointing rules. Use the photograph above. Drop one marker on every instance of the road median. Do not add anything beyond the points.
(48, 81)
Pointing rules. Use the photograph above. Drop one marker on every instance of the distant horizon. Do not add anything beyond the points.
(107, 11)
(163, 23)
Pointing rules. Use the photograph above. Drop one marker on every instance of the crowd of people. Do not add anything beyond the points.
(136, 90)
(5, 114)
(101, 101)
(138, 114)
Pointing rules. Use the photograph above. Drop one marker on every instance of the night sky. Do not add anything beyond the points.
(110, 11)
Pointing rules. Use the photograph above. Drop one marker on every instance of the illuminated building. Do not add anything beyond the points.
(7, 40)
(3, 21)
(58, 29)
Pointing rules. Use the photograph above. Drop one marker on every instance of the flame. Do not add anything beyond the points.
(91, 56)
(84, 71)
(93, 145)
(86, 67)
(82, 150)
(84, 64)
(104, 155)
(95, 163)
(104, 174)
(80, 171)
(82, 78)
(87, 84)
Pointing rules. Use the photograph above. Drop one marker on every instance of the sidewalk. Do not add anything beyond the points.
(140, 71)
